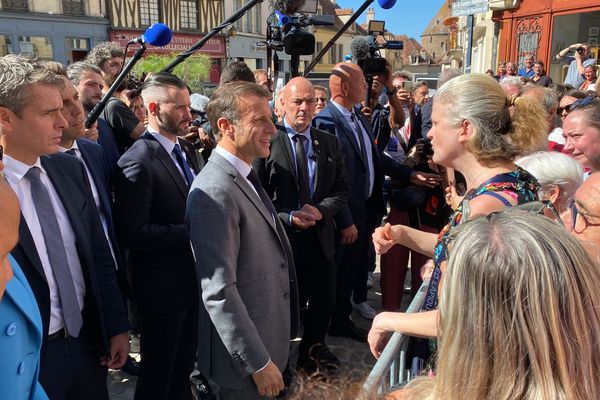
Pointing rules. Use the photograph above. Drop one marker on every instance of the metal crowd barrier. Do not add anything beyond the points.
(392, 361)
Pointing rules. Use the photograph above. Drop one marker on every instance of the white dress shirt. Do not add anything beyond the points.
(169, 145)
(101, 211)
(308, 150)
(15, 171)
(367, 139)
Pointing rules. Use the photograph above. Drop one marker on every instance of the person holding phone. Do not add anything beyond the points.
(577, 62)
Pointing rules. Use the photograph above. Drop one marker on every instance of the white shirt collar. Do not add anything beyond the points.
(73, 147)
(166, 143)
(240, 165)
(291, 131)
(15, 170)
(345, 112)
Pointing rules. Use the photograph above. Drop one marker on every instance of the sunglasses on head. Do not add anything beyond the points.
(579, 103)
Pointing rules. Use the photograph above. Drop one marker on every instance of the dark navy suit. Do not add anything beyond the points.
(365, 214)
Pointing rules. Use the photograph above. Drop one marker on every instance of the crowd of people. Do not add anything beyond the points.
(220, 229)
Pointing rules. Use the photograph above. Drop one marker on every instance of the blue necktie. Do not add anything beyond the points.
(56, 253)
(187, 173)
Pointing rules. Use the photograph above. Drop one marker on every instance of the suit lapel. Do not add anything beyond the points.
(318, 157)
(282, 136)
(348, 130)
(165, 159)
(244, 186)
(29, 248)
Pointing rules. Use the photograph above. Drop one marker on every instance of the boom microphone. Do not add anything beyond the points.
(157, 34)
(360, 48)
(290, 7)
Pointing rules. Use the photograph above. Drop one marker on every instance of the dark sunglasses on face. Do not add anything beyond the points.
(321, 99)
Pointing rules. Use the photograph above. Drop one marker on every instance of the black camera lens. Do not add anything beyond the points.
(580, 49)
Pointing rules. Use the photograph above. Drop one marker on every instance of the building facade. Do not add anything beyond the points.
(190, 20)
(60, 30)
(543, 28)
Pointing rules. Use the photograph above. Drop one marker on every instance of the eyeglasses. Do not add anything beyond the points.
(532, 207)
(579, 103)
(588, 219)
(321, 99)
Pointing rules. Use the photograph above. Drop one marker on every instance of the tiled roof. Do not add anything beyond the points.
(436, 25)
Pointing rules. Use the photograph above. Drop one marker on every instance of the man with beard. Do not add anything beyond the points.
(88, 81)
(108, 56)
(151, 195)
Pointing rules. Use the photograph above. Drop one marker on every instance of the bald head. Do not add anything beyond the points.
(298, 101)
(347, 84)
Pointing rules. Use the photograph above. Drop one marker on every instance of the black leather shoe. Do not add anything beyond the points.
(349, 330)
(320, 359)
(201, 388)
(131, 367)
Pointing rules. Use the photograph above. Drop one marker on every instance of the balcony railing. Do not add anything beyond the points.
(15, 5)
(73, 7)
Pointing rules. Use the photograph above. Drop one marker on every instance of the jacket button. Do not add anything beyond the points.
(11, 329)
(21, 368)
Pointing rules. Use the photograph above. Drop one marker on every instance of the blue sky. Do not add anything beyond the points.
(407, 17)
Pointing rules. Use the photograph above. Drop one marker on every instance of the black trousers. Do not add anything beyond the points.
(316, 285)
(70, 369)
(168, 345)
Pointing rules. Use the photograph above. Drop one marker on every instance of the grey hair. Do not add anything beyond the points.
(448, 74)
(403, 74)
(76, 70)
(225, 102)
(18, 74)
(547, 97)
(104, 51)
(554, 169)
(512, 81)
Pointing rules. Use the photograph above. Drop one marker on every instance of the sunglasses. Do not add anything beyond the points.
(321, 99)
(532, 207)
(587, 218)
(1, 152)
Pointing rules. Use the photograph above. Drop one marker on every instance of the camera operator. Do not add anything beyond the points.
(200, 132)
(577, 63)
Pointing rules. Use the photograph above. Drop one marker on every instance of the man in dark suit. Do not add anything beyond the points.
(150, 200)
(306, 179)
(62, 248)
(243, 257)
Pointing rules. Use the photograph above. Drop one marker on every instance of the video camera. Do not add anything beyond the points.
(365, 49)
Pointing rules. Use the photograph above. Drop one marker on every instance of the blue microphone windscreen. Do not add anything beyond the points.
(386, 4)
(158, 34)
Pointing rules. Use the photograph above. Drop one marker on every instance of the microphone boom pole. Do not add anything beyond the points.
(344, 28)
(95, 113)
(183, 56)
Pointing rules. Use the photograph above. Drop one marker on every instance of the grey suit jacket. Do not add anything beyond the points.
(246, 277)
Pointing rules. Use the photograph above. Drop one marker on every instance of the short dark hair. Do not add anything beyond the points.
(154, 85)
(237, 71)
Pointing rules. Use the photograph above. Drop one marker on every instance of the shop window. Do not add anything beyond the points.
(5, 45)
(188, 11)
(15, 5)
(73, 7)
(36, 46)
(77, 48)
(149, 12)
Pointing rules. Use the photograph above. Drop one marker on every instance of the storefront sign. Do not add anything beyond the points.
(214, 47)
(469, 7)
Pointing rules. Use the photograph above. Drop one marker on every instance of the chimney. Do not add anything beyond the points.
(370, 15)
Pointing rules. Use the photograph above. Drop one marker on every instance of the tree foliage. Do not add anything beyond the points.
(192, 71)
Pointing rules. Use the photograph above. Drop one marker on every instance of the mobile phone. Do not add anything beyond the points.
(407, 85)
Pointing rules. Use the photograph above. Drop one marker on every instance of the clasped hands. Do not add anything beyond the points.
(306, 217)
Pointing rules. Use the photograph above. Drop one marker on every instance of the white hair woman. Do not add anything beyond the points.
(478, 131)
(559, 176)
(519, 314)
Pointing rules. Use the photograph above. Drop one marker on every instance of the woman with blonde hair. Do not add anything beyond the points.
(519, 314)
(478, 131)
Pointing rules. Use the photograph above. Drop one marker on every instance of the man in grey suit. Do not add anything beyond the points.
(244, 261)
